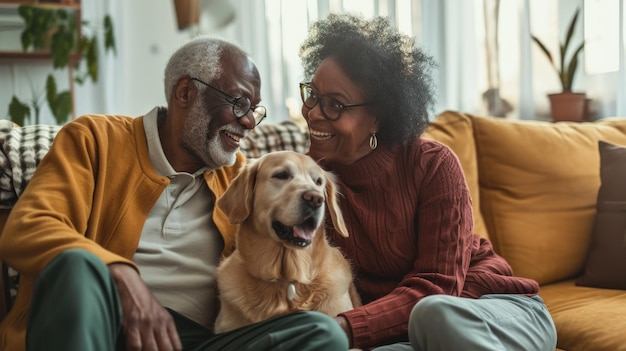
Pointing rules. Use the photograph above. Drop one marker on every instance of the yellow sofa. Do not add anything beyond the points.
(534, 187)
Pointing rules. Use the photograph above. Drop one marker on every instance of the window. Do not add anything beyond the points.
(601, 51)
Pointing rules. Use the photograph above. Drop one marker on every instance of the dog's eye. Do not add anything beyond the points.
(281, 175)
(319, 181)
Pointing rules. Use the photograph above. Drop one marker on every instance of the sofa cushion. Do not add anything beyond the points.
(606, 261)
(586, 318)
(22, 148)
(269, 137)
(454, 129)
(538, 189)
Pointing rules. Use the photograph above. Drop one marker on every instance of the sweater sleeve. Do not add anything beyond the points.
(442, 235)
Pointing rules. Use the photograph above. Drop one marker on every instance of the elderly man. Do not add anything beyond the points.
(117, 236)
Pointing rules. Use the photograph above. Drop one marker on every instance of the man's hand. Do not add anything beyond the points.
(146, 324)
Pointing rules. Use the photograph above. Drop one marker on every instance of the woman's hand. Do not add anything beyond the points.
(147, 326)
(343, 322)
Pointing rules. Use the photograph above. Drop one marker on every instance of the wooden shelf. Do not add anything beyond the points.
(37, 55)
(12, 56)
(49, 4)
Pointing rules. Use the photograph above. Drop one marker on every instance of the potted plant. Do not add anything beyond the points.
(57, 30)
(566, 105)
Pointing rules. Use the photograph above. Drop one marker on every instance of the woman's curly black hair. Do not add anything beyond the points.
(393, 71)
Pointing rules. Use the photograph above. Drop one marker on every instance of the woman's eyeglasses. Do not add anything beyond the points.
(331, 108)
(241, 105)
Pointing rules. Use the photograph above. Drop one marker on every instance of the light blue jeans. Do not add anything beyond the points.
(502, 322)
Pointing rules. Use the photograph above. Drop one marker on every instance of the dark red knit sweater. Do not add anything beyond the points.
(409, 215)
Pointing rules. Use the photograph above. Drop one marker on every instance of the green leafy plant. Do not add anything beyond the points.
(566, 68)
(20, 111)
(56, 30)
(59, 103)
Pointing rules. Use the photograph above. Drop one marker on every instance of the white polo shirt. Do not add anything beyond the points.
(180, 246)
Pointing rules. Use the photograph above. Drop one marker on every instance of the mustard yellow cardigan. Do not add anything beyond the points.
(93, 191)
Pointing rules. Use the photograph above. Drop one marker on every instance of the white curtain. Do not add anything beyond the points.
(449, 34)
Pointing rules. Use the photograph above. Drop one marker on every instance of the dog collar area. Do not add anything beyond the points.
(291, 288)
(291, 291)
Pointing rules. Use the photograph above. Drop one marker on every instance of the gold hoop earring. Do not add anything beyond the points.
(373, 141)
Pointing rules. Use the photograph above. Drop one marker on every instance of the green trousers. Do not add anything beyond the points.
(76, 307)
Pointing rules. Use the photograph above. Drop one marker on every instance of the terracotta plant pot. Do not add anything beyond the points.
(568, 106)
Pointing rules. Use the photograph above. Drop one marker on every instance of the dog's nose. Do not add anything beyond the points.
(313, 198)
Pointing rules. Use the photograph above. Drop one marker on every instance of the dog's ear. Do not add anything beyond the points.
(237, 199)
(333, 205)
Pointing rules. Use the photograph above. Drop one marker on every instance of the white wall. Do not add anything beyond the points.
(150, 36)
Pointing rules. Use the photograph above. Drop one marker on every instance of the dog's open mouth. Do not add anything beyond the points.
(299, 235)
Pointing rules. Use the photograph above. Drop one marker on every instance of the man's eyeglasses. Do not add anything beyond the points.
(331, 108)
(241, 105)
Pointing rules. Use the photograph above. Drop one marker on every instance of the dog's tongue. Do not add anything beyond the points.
(303, 233)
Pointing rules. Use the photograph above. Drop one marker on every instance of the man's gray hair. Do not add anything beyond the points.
(199, 58)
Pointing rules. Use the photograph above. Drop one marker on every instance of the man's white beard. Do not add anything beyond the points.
(218, 154)
(196, 131)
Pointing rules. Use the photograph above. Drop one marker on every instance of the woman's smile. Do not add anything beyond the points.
(319, 135)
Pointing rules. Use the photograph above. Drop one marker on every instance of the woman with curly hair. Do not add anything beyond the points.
(422, 273)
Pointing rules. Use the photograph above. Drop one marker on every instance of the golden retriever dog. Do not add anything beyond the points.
(283, 262)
